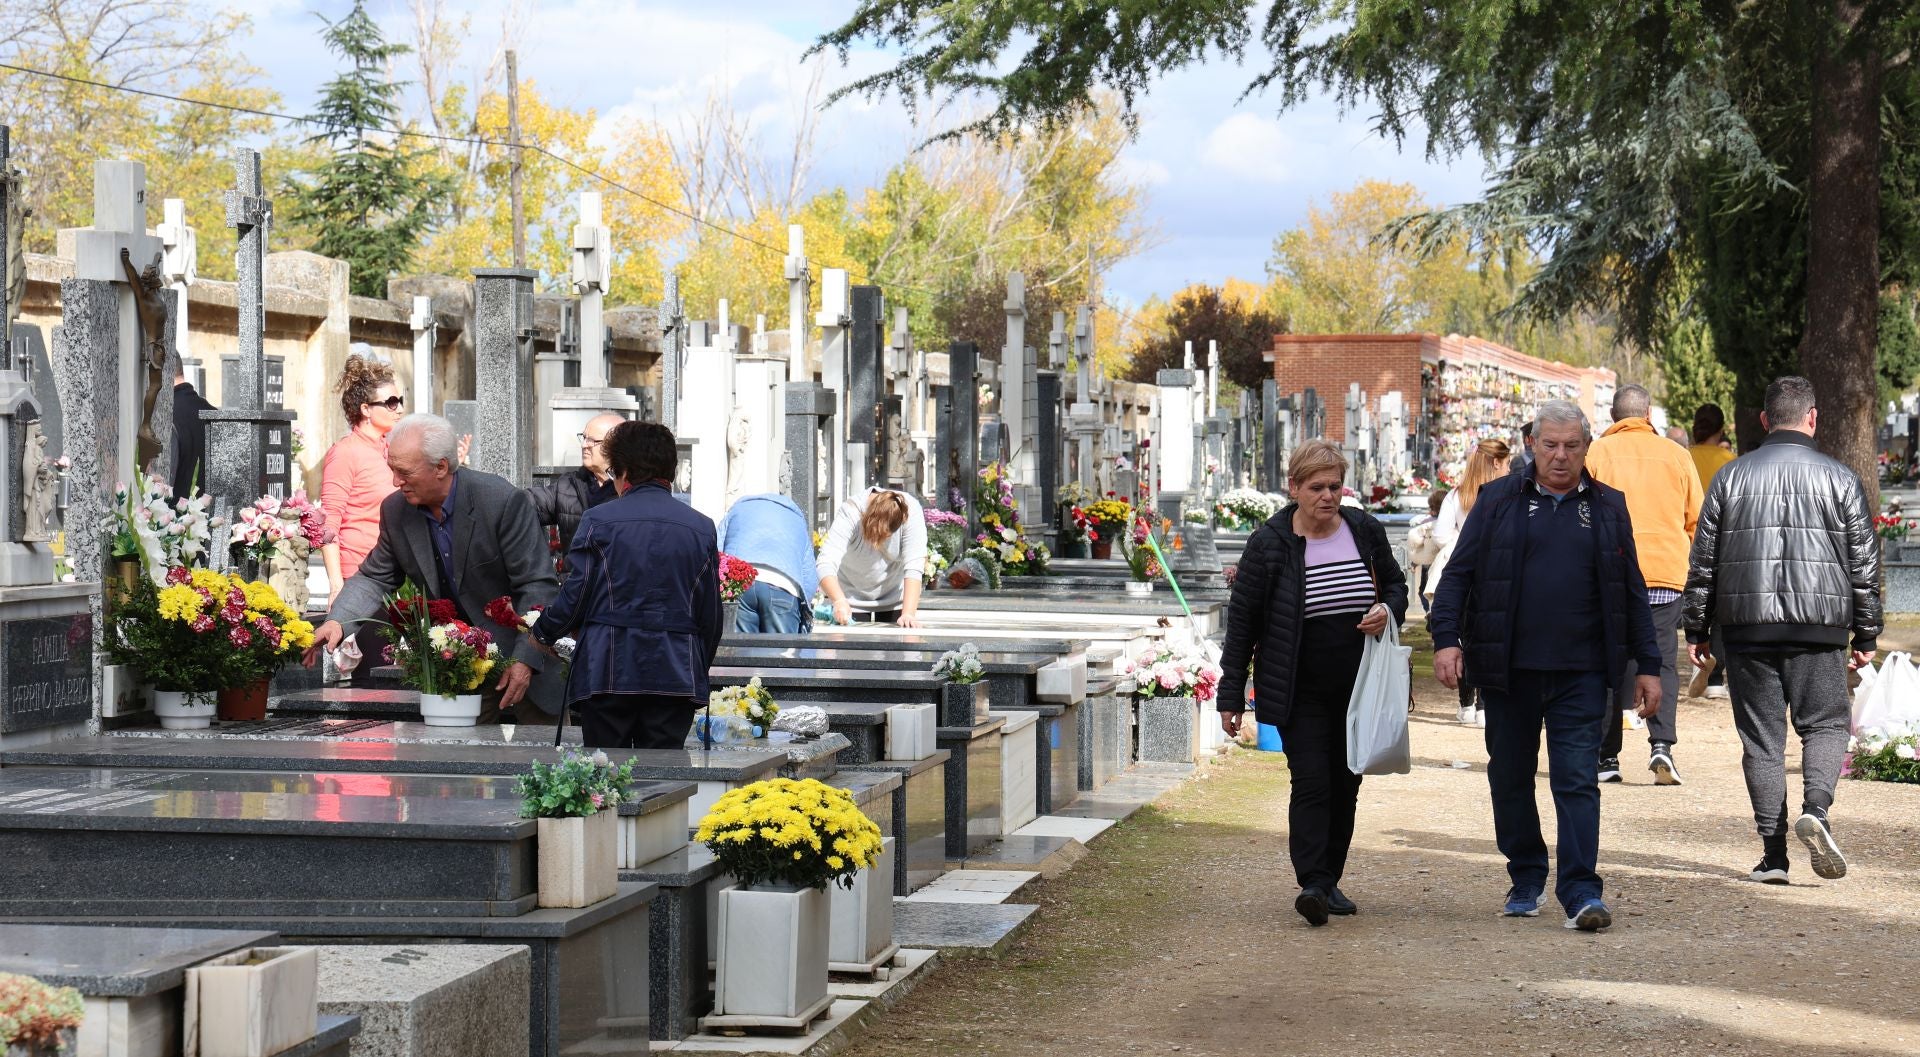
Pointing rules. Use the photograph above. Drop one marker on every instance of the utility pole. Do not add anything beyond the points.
(513, 170)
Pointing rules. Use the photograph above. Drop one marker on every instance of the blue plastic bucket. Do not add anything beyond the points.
(1269, 740)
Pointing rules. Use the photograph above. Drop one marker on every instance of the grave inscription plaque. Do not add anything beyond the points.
(48, 675)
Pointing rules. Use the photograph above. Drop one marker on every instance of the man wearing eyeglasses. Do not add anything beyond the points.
(561, 501)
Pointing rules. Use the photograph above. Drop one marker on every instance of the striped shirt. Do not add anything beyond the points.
(1337, 580)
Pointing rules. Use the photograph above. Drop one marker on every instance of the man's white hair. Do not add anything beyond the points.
(436, 436)
(1562, 412)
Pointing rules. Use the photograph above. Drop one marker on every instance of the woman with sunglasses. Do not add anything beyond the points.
(354, 477)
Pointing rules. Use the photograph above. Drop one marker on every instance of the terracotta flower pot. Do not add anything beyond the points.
(1102, 548)
(244, 702)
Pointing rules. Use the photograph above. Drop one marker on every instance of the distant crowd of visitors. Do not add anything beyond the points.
(1558, 579)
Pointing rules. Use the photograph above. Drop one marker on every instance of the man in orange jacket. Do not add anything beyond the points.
(1663, 499)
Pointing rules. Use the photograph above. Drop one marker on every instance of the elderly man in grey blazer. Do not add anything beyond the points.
(458, 534)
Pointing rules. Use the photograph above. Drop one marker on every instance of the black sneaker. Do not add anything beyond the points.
(1312, 905)
(1339, 905)
(1662, 766)
(1813, 831)
(1610, 769)
(1771, 871)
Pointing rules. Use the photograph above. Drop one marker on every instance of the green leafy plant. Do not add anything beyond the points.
(1884, 755)
(34, 1013)
(577, 786)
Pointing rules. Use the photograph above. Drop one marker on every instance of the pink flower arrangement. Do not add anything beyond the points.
(1164, 672)
(736, 575)
(260, 529)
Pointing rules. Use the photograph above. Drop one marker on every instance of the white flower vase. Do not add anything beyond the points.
(579, 859)
(1139, 588)
(772, 952)
(184, 709)
(862, 928)
(450, 710)
(287, 574)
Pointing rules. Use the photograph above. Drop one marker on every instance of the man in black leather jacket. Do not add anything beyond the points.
(1785, 567)
(561, 501)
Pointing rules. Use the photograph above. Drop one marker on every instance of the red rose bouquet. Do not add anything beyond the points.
(735, 577)
(437, 652)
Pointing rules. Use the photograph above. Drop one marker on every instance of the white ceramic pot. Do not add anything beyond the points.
(579, 859)
(772, 951)
(255, 1002)
(1139, 587)
(450, 710)
(184, 709)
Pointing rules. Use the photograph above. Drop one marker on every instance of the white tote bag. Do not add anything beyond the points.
(1377, 711)
(1891, 696)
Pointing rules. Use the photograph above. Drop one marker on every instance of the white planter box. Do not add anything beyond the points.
(912, 731)
(644, 838)
(252, 1003)
(180, 710)
(1019, 778)
(1064, 680)
(450, 710)
(862, 935)
(772, 953)
(578, 863)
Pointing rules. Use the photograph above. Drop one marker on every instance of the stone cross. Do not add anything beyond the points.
(1213, 378)
(1057, 343)
(1186, 362)
(249, 212)
(426, 333)
(1173, 449)
(1083, 354)
(833, 319)
(962, 456)
(866, 388)
(797, 300)
(672, 358)
(179, 265)
(592, 277)
(1269, 479)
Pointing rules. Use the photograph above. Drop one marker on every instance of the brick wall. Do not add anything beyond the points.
(1329, 363)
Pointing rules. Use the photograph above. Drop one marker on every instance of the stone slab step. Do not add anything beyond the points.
(856, 1004)
(998, 882)
(1080, 829)
(1049, 856)
(959, 928)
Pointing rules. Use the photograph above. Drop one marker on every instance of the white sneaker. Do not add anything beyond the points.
(1480, 718)
(1827, 860)
(1466, 715)
(1717, 693)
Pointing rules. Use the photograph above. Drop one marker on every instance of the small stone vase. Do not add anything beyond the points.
(963, 704)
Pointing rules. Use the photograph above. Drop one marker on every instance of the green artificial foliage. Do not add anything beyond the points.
(577, 786)
(372, 202)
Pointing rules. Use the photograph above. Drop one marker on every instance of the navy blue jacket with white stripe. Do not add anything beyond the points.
(1265, 613)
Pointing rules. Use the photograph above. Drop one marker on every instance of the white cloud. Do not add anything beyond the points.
(1251, 147)
(1147, 172)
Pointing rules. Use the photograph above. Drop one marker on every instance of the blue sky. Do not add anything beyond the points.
(1221, 179)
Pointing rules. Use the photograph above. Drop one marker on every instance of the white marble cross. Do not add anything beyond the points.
(592, 278)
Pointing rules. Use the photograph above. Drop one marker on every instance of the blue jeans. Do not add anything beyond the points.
(765, 609)
(1570, 705)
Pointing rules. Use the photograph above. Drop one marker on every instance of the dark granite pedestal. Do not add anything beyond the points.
(343, 702)
(1106, 735)
(973, 787)
(919, 817)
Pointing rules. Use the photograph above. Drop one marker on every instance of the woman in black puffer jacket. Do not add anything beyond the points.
(1315, 580)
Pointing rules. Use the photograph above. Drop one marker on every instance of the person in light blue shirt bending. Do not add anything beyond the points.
(770, 533)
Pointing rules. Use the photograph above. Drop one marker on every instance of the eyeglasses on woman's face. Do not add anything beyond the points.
(392, 403)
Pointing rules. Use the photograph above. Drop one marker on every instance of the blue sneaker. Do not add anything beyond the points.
(1521, 904)
(1590, 916)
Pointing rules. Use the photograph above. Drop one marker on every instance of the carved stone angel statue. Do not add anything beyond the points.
(739, 434)
(39, 488)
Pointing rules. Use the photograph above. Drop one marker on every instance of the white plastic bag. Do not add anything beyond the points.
(1377, 711)
(1890, 696)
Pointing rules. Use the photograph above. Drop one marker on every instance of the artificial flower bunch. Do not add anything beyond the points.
(200, 630)
(1891, 526)
(936, 567)
(1108, 517)
(786, 831)
(1165, 672)
(752, 702)
(962, 665)
(1019, 556)
(1885, 754)
(295, 526)
(502, 612)
(1143, 563)
(580, 784)
(149, 524)
(946, 536)
(736, 575)
(994, 498)
(1246, 509)
(437, 652)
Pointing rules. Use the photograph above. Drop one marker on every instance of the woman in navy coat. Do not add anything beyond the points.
(642, 600)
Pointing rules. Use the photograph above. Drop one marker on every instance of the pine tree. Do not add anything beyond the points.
(372, 203)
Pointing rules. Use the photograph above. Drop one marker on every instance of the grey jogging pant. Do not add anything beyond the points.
(1768, 687)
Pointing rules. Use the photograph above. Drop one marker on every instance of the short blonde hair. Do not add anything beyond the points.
(1313, 458)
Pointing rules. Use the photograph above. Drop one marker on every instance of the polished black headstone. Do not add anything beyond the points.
(47, 679)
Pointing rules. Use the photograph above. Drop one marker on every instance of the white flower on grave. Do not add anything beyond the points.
(1904, 750)
(438, 636)
(600, 759)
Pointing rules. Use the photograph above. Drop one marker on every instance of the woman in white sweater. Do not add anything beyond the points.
(874, 557)
(1488, 462)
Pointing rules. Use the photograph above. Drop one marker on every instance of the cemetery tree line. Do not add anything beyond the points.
(1642, 149)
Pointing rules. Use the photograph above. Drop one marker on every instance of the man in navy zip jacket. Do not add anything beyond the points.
(1543, 600)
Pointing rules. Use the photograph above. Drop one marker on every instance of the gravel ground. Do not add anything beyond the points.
(1177, 934)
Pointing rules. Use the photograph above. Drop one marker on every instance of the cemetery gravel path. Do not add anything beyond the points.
(1177, 934)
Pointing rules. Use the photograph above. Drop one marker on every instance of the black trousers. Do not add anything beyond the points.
(635, 721)
(1662, 726)
(1321, 806)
